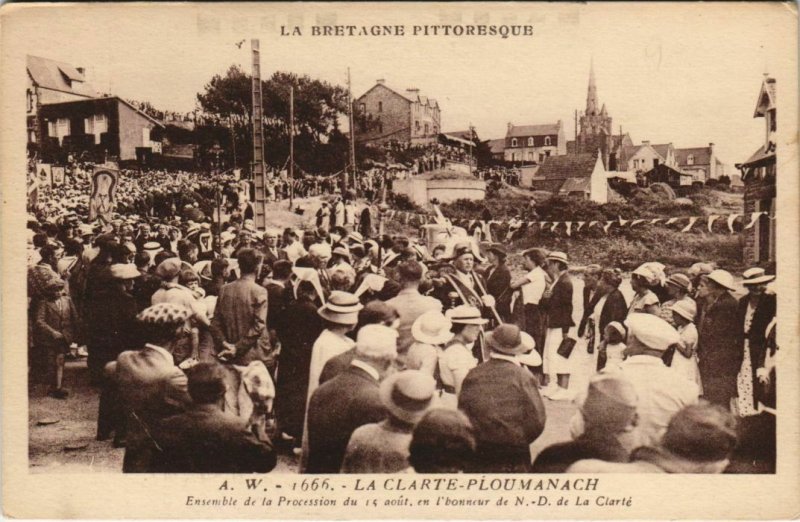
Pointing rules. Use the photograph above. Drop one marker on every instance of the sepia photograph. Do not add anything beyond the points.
(328, 239)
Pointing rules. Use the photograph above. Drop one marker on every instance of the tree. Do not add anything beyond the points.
(319, 144)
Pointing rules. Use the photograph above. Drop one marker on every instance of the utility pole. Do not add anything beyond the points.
(352, 132)
(291, 146)
(233, 139)
(259, 174)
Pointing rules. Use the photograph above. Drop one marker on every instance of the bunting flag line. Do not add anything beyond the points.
(656, 220)
(711, 219)
(622, 222)
(607, 226)
(671, 220)
(754, 217)
(731, 219)
(636, 222)
(569, 228)
(580, 225)
(592, 223)
(692, 221)
(555, 224)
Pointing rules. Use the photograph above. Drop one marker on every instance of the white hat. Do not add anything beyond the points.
(756, 276)
(341, 308)
(152, 247)
(124, 271)
(722, 278)
(685, 308)
(432, 327)
(652, 331)
(226, 236)
(465, 314)
(376, 341)
(321, 250)
(557, 256)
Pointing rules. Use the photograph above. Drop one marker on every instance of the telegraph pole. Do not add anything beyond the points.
(352, 132)
(291, 146)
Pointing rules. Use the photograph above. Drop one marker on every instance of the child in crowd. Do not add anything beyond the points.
(615, 344)
(55, 330)
(685, 359)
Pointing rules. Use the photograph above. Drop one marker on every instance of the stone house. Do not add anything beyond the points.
(581, 174)
(387, 115)
(534, 143)
(700, 162)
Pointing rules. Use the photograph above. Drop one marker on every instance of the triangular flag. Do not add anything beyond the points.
(606, 226)
(591, 224)
(637, 221)
(731, 219)
(622, 222)
(542, 223)
(753, 218)
(656, 220)
(711, 219)
(555, 224)
(671, 220)
(580, 225)
(569, 228)
(692, 221)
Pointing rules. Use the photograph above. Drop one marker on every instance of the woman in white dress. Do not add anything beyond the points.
(457, 360)
(684, 361)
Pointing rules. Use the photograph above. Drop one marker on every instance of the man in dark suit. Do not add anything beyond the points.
(501, 399)
(498, 280)
(205, 439)
(149, 384)
(349, 400)
(463, 285)
(719, 345)
(241, 313)
(270, 249)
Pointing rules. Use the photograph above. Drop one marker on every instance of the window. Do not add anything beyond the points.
(51, 129)
(690, 159)
(530, 142)
(363, 108)
(380, 106)
(416, 126)
(513, 142)
(547, 153)
(380, 127)
(530, 156)
(547, 141)
(30, 100)
(426, 130)
(541, 157)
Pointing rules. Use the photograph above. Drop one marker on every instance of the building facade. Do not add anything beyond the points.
(758, 175)
(99, 127)
(580, 175)
(534, 143)
(50, 81)
(387, 115)
(700, 162)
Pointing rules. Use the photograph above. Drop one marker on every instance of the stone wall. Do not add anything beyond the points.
(392, 110)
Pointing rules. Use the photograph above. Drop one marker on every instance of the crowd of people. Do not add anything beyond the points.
(216, 350)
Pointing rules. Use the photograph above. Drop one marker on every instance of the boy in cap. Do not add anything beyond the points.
(55, 328)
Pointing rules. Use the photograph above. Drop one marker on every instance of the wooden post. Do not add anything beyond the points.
(291, 146)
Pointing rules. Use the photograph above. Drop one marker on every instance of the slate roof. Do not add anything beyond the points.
(662, 149)
(58, 76)
(497, 146)
(629, 152)
(567, 166)
(546, 129)
(768, 90)
(758, 156)
(702, 156)
(576, 185)
(406, 95)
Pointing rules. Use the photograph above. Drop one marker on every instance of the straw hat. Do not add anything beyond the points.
(408, 395)
(685, 308)
(508, 339)
(756, 276)
(376, 341)
(680, 280)
(341, 308)
(465, 314)
(432, 327)
(722, 278)
(557, 256)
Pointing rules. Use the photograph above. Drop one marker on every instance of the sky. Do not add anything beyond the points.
(682, 73)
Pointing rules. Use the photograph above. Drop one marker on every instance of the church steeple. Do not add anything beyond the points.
(591, 95)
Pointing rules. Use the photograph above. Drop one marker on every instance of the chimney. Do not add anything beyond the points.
(711, 145)
(380, 81)
(645, 142)
(81, 70)
(412, 90)
(510, 126)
